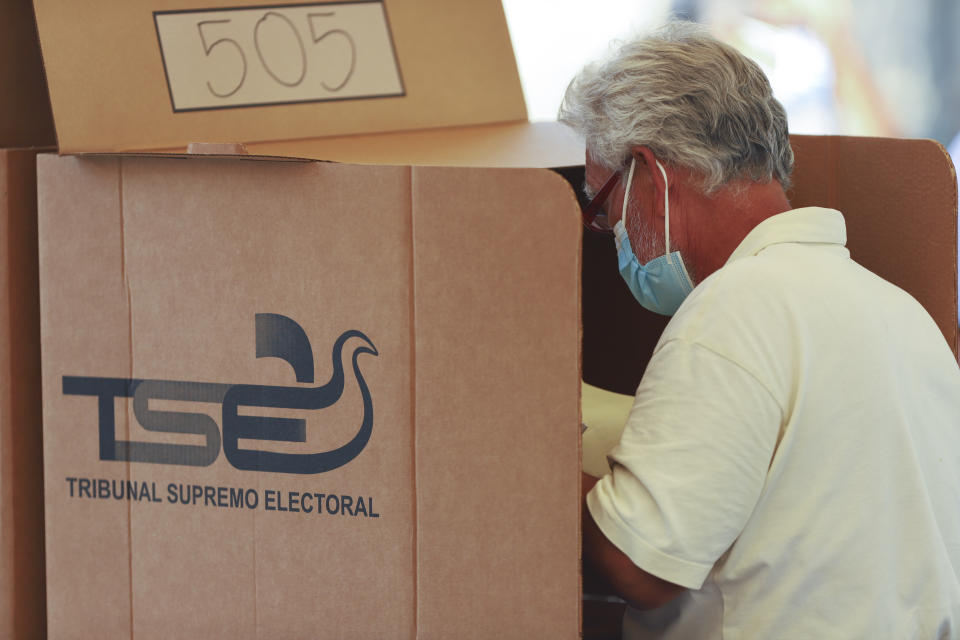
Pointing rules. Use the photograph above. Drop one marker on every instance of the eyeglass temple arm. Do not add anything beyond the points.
(598, 200)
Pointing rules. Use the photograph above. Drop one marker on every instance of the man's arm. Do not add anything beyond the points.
(604, 565)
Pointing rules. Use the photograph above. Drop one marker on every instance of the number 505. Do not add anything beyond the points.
(279, 48)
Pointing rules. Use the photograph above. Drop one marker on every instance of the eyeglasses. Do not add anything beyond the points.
(594, 218)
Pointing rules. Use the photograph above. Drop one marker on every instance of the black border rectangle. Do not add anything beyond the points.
(386, 17)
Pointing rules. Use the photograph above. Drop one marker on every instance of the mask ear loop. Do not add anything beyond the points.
(626, 194)
(666, 205)
(666, 226)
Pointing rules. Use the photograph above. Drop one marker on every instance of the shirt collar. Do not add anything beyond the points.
(806, 225)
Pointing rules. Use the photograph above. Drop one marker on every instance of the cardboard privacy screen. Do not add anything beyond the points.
(309, 400)
(301, 399)
(135, 75)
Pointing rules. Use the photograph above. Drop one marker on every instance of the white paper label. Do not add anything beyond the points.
(255, 56)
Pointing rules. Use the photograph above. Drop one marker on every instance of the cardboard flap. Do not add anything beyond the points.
(538, 145)
(496, 348)
(129, 76)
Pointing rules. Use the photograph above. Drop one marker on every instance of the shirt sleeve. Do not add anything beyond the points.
(690, 465)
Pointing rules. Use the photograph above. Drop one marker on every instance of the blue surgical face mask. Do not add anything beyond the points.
(662, 284)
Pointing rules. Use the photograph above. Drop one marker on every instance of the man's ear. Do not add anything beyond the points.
(647, 160)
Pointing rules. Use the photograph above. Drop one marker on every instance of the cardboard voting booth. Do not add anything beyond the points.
(290, 398)
(330, 388)
(25, 124)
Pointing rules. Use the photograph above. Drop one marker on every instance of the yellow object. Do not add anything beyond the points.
(604, 416)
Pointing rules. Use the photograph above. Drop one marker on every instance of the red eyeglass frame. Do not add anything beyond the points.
(593, 219)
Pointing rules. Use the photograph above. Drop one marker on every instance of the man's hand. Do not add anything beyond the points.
(606, 569)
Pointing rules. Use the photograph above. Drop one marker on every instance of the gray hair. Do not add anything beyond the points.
(695, 101)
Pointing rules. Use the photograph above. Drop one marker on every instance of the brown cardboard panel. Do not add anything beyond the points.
(7, 550)
(899, 198)
(22, 599)
(109, 85)
(156, 278)
(25, 116)
(518, 144)
(84, 330)
(201, 246)
(290, 239)
(497, 324)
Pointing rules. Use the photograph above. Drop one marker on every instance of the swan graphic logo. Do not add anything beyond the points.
(277, 337)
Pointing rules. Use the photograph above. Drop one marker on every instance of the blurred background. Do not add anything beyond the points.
(854, 67)
(847, 67)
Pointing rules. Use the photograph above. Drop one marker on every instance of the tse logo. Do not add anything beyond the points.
(277, 336)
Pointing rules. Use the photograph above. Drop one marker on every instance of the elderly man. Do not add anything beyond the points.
(791, 464)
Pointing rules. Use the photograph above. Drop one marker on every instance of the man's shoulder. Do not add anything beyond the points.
(786, 273)
(791, 290)
(784, 290)
(747, 288)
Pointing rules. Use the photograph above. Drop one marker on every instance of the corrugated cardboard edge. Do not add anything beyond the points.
(912, 171)
(183, 155)
(575, 202)
(956, 205)
(519, 145)
(516, 144)
(22, 586)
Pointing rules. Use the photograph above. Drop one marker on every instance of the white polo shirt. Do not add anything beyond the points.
(793, 452)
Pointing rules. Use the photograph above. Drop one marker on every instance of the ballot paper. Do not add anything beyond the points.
(604, 416)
